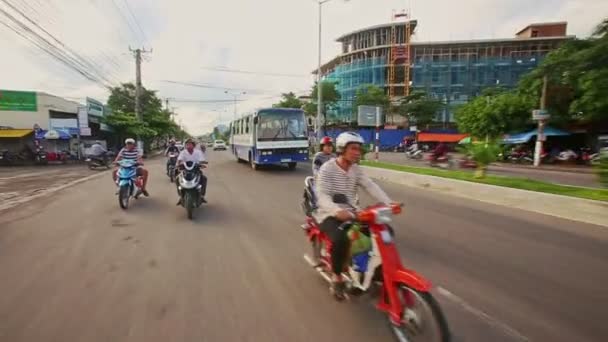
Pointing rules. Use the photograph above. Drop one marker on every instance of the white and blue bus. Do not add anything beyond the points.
(270, 136)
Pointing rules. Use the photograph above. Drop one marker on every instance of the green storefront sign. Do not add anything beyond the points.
(23, 101)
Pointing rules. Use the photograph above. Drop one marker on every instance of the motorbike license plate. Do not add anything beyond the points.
(286, 160)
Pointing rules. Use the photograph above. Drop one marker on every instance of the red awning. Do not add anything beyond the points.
(441, 137)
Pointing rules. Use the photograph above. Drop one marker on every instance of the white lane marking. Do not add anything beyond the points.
(46, 192)
(482, 315)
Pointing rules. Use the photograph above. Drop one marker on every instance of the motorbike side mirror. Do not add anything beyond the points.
(340, 199)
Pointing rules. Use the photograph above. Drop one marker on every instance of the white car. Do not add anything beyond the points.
(219, 145)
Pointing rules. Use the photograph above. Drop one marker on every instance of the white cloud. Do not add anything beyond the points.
(277, 36)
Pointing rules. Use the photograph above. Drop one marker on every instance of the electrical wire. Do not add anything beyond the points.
(221, 69)
(143, 34)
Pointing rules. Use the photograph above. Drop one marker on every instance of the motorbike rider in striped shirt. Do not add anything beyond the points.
(336, 188)
(131, 152)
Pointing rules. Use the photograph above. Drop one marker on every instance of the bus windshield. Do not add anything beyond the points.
(278, 124)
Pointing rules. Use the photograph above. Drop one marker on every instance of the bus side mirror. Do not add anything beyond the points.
(255, 120)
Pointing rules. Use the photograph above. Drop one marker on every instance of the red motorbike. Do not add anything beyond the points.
(413, 313)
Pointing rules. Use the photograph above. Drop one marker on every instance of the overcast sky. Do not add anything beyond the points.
(189, 37)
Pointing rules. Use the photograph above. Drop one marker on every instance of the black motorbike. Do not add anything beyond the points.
(189, 186)
(171, 166)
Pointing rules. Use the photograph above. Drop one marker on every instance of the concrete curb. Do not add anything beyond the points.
(577, 209)
(49, 191)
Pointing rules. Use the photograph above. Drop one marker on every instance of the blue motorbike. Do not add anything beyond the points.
(129, 184)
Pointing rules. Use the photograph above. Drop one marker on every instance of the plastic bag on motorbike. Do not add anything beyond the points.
(359, 242)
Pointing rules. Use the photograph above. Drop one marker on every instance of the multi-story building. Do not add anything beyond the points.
(452, 71)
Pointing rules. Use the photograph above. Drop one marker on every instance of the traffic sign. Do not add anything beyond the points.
(540, 114)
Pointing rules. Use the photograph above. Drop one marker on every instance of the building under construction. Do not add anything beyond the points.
(452, 71)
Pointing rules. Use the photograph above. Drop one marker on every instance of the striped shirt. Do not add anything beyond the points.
(129, 154)
(332, 180)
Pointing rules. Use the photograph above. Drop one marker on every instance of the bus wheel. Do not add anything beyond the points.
(292, 166)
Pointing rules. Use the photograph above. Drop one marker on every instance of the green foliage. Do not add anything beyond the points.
(420, 108)
(484, 154)
(577, 76)
(329, 93)
(289, 100)
(157, 123)
(371, 95)
(122, 99)
(492, 116)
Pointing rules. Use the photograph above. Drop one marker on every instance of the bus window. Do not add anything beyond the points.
(247, 125)
(281, 125)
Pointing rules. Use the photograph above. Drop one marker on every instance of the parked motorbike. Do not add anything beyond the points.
(566, 156)
(404, 295)
(94, 162)
(129, 184)
(521, 157)
(171, 166)
(589, 158)
(189, 187)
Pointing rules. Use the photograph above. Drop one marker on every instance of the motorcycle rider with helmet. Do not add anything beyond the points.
(342, 176)
(172, 148)
(320, 158)
(326, 153)
(131, 152)
(190, 154)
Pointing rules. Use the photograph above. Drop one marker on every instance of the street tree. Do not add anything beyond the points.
(577, 79)
(289, 100)
(419, 108)
(330, 94)
(371, 95)
(490, 116)
(156, 124)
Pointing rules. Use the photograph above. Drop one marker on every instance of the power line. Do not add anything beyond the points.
(236, 71)
(143, 34)
(49, 48)
(124, 17)
(74, 59)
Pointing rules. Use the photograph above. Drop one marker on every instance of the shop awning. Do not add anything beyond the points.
(441, 137)
(14, 133)
(523, 138)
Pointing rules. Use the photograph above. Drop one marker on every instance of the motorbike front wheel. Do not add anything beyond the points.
(189, 204)
(123, 196)
(421, 319)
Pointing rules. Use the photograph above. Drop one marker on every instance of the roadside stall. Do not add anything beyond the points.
(56, 143)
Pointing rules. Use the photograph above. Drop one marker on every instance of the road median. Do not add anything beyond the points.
(574, 203)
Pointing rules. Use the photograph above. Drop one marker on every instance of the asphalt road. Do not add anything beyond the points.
(75, 267)
(570, 177)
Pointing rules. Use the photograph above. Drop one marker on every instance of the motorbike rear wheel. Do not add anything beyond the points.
(414, 326)
(123, 196)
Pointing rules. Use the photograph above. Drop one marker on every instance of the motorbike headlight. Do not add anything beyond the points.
(384, 215)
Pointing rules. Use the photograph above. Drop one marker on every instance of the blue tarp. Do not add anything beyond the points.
(522, 138)
(388, 137)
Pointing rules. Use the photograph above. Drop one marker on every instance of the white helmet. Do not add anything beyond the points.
(129, 141)
(347, 138)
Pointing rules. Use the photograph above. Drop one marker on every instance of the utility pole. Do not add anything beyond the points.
(541, 117)
(236, 95)
(137, 53)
